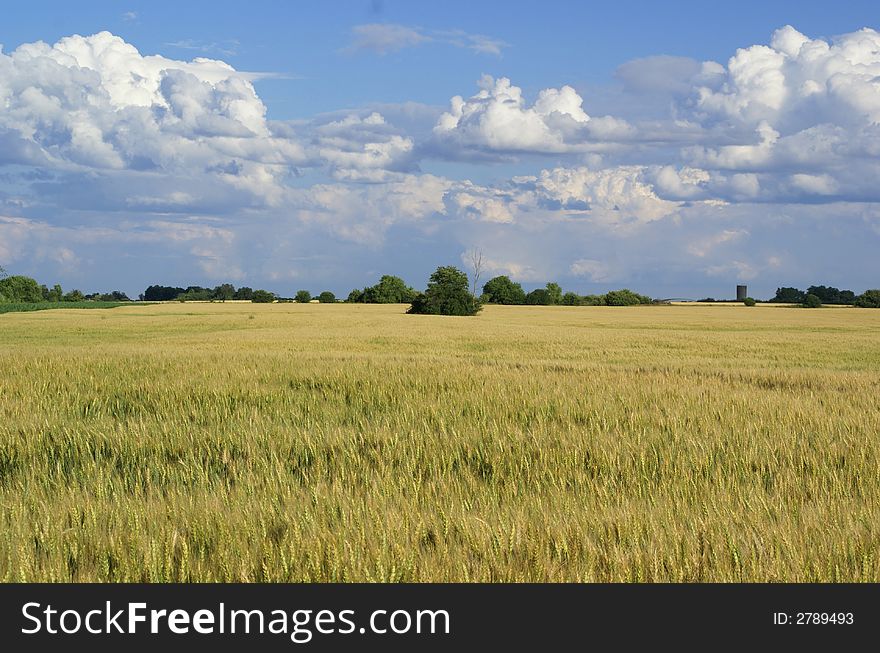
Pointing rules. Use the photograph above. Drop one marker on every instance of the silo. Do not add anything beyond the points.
(741, 293)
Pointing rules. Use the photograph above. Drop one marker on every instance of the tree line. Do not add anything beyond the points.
(448, 293)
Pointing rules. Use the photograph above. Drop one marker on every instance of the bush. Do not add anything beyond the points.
(625, 297)
(812, 301)
(571, 299)
(356, 296)
(501, 290)
(327, 297)
(538, 297)
(447, 294)
(303, 296)
(263, 297)
(748, 301)
(868, 299)
(21, 290)
(389, 290)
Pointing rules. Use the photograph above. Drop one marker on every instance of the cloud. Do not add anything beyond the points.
(498, 120)
(95, 103)
(115, 160)
(384, 38)
(595, 271)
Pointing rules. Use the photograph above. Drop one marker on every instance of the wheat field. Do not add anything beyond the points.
(286, 442)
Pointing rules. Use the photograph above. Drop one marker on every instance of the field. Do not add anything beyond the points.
(47, 306)
(288, 442)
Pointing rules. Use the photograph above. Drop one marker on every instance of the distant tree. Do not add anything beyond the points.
(115, 296)
(787, 295)
(554, 293)
(223, 292)
(832, 295)
(748, 301)
(327, 297)
(19, 289)
(56, 294)
(244, 294)
(3, 273)
(356, 296)
(625, 297)
(303, 296)
(538, 297)
(162, 293)
(74, 296)
(389, 290)
(447, 294)
(501, 290)
(571, 299)
(868, 299)
(263, 297)
(812, 301)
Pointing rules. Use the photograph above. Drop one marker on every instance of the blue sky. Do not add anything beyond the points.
(677, 149)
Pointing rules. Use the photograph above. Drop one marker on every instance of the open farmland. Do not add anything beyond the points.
(285, 442)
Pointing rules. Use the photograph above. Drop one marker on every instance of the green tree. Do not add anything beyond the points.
(223, 292)
(389, 290)
(356, 296)
(554, 293)
(263, 297)
(868, 299)
(788, 295)
(812, 301)
(571, 299)
(74, 296)
(244, 293)
(327, 297)
(501, 290)
(748, 301)
(538, 297)
(19, 289)
(447, 294)
(625, 297)
(303, 296)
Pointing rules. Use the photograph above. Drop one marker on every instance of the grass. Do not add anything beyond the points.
(47, 306)
(309, 442)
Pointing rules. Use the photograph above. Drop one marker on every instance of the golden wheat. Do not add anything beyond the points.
(291, 442)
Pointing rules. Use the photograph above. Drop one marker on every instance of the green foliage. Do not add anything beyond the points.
(356, 296)
(501, 290)
(788, 295)
(263, 297)
(625, 297)
(812, 301)
(389, 290)
(447, 294)
(327, 297)
(832, 295)
(538, 297)
(748, 301)
(303, 296)
(244, 294)
(869, 299)
(554, 293)
(21, 289)
(51, 306)
(223, 292)
(571, 299)
(74, 296)
(593, 300)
